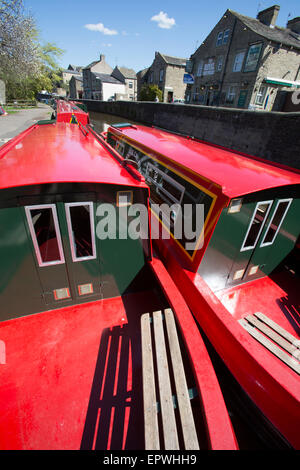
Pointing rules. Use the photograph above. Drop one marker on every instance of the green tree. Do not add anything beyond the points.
(150, 93)
(26, 65)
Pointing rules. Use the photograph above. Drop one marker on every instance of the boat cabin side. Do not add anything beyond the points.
(184, 206)
(67, 243)
(244, 237)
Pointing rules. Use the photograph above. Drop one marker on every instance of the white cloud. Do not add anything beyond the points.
(163, 21)
(106, 44)
(101, 28)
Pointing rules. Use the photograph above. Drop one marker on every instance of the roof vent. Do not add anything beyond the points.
(269, 16)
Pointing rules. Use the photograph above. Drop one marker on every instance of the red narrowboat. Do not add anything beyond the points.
(98, 348)
(238, 277)
(70, 112)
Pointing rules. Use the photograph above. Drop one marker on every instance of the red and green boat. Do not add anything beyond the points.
(98, 347)
(241, 278)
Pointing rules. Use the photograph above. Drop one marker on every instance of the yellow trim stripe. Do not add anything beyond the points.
(205, 190)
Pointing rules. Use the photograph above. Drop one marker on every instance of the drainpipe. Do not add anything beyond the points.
(226, 60)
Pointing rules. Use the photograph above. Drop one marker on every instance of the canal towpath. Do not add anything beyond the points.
(15, 123)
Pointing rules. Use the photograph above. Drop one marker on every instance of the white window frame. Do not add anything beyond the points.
(261, 96)
(161, 190)
(70, 230)
(238, 61)
(226, 36)
(200, 69)
(289, 200)
(42, 263)
(219, 38)
(231, 93)
(270, 202)
(219, 63)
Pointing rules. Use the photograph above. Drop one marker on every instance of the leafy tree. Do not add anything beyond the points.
(150, 92)
(26, 66)
(18, 40)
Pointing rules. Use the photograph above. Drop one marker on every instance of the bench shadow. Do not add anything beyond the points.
(291, 311)
(115, 417)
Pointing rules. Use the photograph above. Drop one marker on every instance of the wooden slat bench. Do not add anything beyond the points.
(275, 338)
(156, 370)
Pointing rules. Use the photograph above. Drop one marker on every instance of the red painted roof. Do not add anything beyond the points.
(66, 109)
(57, 153)
(236, 174)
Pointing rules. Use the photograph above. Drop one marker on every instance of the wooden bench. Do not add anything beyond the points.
(275, 338)
(157, 391)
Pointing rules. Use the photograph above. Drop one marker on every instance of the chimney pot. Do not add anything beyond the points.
(269, 15)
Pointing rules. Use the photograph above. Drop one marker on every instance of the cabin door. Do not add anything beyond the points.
(65, 250)
(258, 254)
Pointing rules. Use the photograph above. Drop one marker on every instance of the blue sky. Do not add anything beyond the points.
(129, 33)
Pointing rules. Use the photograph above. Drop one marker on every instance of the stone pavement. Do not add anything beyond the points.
(12, 124)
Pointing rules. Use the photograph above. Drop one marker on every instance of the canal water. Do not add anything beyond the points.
(101, 121)
(250, 435)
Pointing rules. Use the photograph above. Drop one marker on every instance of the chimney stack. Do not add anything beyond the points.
(102, 57)
(269, 16)
(294, 25)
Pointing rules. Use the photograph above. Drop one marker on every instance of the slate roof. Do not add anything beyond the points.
(106, 78)
(174, 60)
(127, 73)
(277, 34)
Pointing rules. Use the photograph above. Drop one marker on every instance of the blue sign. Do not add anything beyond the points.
(188, 78)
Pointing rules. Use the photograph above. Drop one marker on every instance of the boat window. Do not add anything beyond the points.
(167, 186)
(45, 234)
(276, 221)
(256, 225)
(80, 220)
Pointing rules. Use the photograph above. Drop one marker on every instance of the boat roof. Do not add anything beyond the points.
(59, 153)
(236, 174)
(68, 107)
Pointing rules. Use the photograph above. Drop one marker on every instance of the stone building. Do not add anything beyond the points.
(129, 78)
(104, 87)
(71, 71)
(76, 87)
(167, 72)
(245, 61)
(90, 85)
(142, 78)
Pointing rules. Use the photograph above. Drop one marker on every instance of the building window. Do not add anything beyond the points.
(220, 63)
(130, 85)
(219, 38)
(209, 67)
(151, 77)
(199, 69)
(238, 62)
(261, 94)
(226, 36)
(161, 75)
(252, 57)
(231, 94)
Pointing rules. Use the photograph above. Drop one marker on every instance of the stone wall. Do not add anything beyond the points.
(270, 135)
